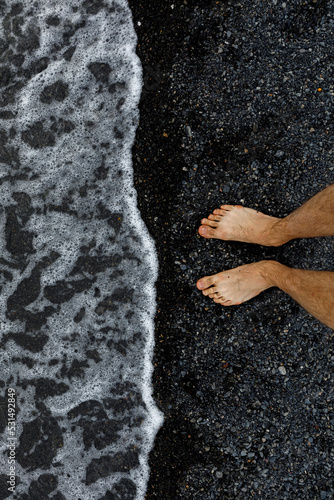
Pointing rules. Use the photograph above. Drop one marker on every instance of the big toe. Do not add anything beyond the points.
(204, 283)
(206, 231)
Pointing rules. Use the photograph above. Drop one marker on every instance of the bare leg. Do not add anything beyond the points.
(313, 290)
(313, 219)
(233, 222)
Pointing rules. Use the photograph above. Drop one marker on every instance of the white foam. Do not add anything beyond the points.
(65, 172)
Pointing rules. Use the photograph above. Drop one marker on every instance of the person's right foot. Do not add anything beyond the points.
(233, 222)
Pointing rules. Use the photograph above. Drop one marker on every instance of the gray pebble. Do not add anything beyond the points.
(282, 370)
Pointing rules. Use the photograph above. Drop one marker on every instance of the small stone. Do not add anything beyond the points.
(282, 370)
(219, 474)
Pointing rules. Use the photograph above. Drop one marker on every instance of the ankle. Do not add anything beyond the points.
(279, 233)
(270, 270)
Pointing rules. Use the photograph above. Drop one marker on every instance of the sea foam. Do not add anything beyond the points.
(77, 266)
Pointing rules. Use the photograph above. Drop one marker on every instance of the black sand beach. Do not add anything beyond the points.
(237, 108)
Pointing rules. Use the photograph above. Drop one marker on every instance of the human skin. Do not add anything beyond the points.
(313, 290)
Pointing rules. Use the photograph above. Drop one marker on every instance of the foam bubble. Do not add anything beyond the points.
(78, 266)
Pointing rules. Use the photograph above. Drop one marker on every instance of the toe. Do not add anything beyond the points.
(204, 283)
(209, 222)
(221, 301)
(219, 212)
(206, 231)
(213, 217)
(227, 207)
(203, 230)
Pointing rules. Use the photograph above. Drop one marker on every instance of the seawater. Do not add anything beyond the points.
(77, 265)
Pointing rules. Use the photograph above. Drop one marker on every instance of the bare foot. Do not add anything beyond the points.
(236, 286)
(233, 222)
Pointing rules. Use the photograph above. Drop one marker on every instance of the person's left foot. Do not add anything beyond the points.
(236, 286)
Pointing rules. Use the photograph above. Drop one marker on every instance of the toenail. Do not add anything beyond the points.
(200, 284)
(203, 230)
